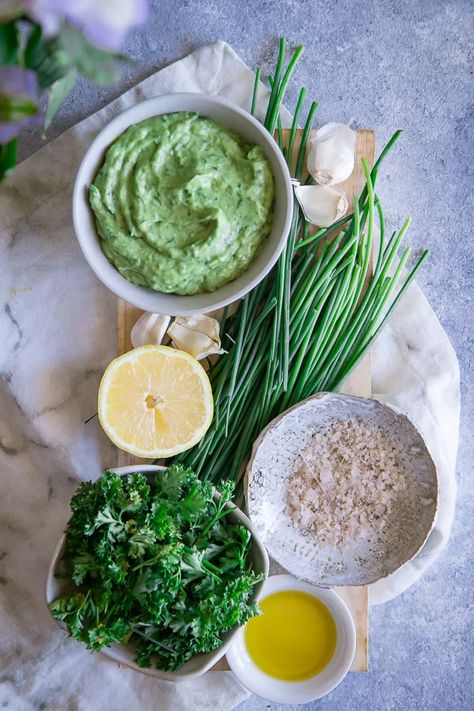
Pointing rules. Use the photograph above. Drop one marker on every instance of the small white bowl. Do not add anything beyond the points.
(297, 692)
(363, 560)
(124, 654)
(228, 115)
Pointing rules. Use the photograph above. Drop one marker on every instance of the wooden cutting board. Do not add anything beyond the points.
(358, 383)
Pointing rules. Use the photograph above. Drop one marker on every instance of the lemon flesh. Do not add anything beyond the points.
(155, 402)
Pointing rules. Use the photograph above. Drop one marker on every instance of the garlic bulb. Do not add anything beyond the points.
(197, 335)
(321, 204)
(331, 154)
(149, 330)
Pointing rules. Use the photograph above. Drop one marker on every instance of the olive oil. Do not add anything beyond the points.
(294, 638)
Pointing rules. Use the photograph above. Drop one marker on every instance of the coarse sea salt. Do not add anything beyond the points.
(346, 483)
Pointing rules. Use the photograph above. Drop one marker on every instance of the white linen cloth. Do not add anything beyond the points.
(57, 330)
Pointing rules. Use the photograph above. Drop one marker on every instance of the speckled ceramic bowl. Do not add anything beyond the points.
(228, 115)
(124, 654)
(301, 552)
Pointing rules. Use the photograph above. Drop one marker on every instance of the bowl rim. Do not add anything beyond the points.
(279, 691)
(113, 652)
(321, 396)
(143, 297)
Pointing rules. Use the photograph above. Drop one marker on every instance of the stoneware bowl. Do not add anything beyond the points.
(298, 692)
(362, 561)
(124, 654)
(228, 115)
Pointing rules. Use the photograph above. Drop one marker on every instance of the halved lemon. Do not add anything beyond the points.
(155, 402)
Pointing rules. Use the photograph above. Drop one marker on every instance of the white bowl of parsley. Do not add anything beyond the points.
(157, 569)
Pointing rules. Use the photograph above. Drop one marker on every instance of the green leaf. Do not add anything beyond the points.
(34, 49)
(57, 94)
(138, 491)
(83, 564)
(9, 40)
(192, 562)
(15, 108)
(111, 485)
(8, 157)
(195, 503)
(160, 521)
(101, 636)
(140, 541)
(46, 57)
(94, 63)
(56, 58)
(171, 482)
(107, 517)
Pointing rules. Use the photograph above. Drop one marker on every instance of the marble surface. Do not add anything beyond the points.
(388, 65)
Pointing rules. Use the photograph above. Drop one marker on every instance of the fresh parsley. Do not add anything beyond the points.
(155, 564)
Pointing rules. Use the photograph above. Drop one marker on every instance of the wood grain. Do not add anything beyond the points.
(358, 383)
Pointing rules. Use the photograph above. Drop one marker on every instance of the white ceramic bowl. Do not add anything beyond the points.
(124, 654)
(297, 692)
(228, 115)
(363, 560)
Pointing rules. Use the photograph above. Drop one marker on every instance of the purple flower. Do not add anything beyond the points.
(18, 100)
(105, 23)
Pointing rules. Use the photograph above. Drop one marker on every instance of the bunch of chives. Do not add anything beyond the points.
(305, 327)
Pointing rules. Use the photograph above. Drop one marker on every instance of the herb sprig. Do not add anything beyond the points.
(159, 565)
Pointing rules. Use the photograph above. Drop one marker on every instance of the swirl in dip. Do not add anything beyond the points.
(182, 204)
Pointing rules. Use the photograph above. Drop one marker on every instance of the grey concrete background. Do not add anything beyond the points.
(388, 65)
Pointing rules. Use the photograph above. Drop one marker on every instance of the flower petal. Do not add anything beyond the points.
(105, 23)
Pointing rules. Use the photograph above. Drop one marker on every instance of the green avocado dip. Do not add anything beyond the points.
(182, 204)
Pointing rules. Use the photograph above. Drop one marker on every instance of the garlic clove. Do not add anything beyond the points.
(149, 330)
(322, 205)
(331, 155)
(197, 335)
